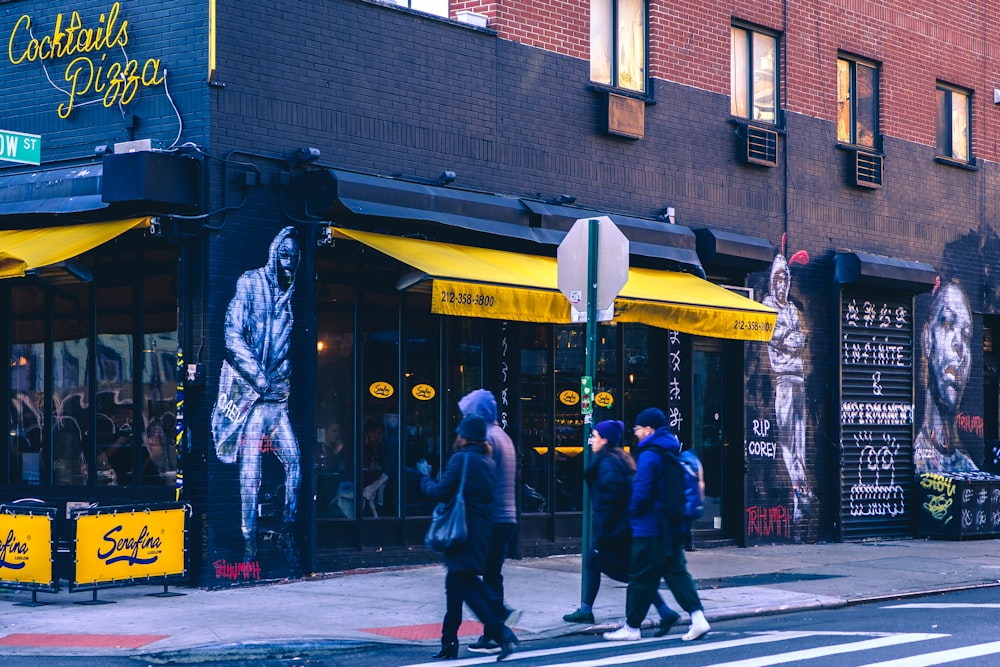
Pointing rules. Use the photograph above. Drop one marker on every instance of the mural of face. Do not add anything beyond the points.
(779, 280)
(946, 338)
(288, 260)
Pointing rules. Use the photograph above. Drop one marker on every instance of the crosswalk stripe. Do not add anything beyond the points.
(941, 657)
(685, 649)
(943, 605)
(880, 639)
(824, 651)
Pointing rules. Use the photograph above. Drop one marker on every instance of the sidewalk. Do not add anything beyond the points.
(406, 604)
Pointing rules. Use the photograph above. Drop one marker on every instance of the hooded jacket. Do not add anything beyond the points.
(648, 497)
(481, 402)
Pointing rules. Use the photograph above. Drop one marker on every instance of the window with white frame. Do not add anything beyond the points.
(954, 129)
(754, 75)
(618, 38)
(857, 102)
(436, 7)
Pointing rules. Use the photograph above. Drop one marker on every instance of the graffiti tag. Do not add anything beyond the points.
(767, 521)
(236, 571)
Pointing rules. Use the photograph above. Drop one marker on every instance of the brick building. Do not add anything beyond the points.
(241, 205)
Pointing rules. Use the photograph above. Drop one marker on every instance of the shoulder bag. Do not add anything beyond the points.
(448, 528)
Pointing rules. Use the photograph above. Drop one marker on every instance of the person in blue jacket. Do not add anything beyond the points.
(465, 562)
(657, 544)
(482, 402)
(609, 477)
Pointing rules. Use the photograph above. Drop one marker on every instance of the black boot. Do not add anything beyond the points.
(449, 651)
(508, 644)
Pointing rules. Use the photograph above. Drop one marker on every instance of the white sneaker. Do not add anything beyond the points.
(624, 634)
(699, 627)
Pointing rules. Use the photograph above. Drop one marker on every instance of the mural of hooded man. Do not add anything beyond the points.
(251, 413)
(786, 351)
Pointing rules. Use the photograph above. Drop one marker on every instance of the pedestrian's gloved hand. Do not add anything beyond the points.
(423, 467)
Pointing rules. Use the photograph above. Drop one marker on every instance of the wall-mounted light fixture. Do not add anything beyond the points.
(325, 236)
(103, 149)
(562, 200)
(304, 155)
(668, 215)
(446, 177)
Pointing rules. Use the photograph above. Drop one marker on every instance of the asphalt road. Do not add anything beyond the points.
(960, 628)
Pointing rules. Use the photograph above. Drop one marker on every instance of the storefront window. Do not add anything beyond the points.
(637, 394)
(70, 363)
(335, 438)
(422, 395)
(536, 415)
(115, 419)
(70, 336)
(27, 385)
(380, 470)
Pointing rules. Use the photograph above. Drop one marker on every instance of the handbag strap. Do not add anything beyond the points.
(465, 464)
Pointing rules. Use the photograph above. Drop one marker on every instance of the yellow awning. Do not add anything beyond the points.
(25, 249)
(478, 282)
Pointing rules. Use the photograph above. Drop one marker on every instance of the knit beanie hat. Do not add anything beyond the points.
(651, 417)
(472, 428)
(612, 431)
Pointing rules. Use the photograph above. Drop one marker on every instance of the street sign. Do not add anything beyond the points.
(586, 395)
(612, 266)
(20, 147)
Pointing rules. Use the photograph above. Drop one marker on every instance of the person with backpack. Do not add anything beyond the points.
(609, 477)
(657, 541)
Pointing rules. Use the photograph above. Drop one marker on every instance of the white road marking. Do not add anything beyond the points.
(943, 605)
(880, 639)
(678, 650)
(824, 651)
(941, 657)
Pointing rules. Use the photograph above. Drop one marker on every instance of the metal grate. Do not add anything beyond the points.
(867, 170)
(762, 146)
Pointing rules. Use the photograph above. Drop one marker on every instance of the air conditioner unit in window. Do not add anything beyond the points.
(867, 170)
(760, 145)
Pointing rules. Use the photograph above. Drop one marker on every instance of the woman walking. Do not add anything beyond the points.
(465, 562)
(609, 478)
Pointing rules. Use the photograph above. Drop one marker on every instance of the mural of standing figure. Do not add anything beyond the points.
(250, 416)
(786, 351)
(945, 342)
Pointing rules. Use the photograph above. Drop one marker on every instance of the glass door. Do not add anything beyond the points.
(708, 431)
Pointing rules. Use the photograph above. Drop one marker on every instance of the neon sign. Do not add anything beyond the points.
(93, 70)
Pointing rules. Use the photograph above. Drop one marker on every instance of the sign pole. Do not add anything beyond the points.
(590, 370)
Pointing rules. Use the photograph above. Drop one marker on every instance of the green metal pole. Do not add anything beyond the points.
(590, 370)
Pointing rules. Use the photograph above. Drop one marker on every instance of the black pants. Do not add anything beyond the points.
(606, 559)
(503, 533)
(467, 587)
(650, 562)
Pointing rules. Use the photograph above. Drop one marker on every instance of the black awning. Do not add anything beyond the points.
(647, 238)
(863, 268)
(48, 191)
(396, 203)
(731, 250)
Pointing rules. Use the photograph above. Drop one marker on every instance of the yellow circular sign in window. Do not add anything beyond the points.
(423, 392)
(569, 397)
(604, 399)
(381, 389)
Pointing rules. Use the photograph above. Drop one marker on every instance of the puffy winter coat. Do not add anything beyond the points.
(479, 480)
(646, 507)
